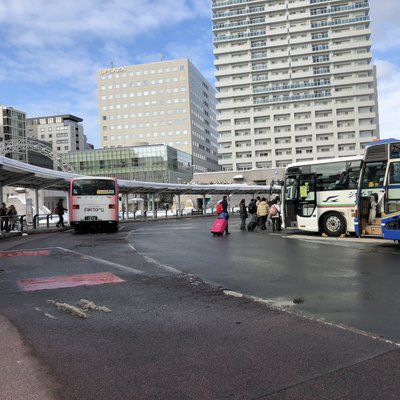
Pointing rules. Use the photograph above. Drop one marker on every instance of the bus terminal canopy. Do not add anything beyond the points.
(18, 174)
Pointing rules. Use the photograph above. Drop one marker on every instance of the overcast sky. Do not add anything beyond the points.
(51, 50)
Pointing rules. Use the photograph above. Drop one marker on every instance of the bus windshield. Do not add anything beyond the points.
(93, 187)
(373, 174)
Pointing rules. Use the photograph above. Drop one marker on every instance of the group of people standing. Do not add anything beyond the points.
(8, 217)
(261, 210)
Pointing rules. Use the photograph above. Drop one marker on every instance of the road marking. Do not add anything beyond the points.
(101, 261)
(152, 261)
(25, 253)
(66, 281)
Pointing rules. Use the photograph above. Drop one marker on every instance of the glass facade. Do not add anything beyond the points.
(153, 163)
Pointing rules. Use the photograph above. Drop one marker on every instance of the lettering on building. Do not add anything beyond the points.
(112, 70)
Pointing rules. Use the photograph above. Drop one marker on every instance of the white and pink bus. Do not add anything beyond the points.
(93, 203)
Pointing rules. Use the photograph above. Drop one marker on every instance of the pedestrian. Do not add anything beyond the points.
(60, 212)
(275, 215)
(3, 218)
(243, 213)
(262, 212)
(252, 207)
(12, 213)
(224, 203)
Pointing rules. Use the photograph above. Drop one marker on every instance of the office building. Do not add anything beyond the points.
(295, 81)
(167, 102)
(148, 163)
(64, 132)
(12, 131)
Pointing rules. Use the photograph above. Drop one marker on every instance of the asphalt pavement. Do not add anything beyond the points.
(162, 334)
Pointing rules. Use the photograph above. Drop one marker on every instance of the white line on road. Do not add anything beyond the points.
(151, 260)
(101, 261)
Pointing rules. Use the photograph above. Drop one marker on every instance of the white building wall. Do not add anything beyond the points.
(64, 132)
(295, 81)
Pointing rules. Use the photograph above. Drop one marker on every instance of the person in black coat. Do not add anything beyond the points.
(60, 210)
(243, 213)
(3, 213)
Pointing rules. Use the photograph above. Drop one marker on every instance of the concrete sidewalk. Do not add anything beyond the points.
(30, 231)
(22, 377)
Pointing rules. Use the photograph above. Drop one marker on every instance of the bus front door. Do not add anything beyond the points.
(290, 200)
(307, 204)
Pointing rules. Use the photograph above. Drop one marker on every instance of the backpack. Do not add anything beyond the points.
(273, 211)
(220, 208)
(252, 207)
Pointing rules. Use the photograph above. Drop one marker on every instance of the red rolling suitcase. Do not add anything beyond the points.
(219, 226)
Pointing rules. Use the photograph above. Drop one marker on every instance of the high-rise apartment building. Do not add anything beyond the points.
(64, 132)
(167, 102)
(295, 81)
(12, 130)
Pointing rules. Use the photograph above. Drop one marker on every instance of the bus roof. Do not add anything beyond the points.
(325, 161)
(106, 178)
(383, 141)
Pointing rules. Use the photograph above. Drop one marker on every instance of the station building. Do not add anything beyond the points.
(148, 163)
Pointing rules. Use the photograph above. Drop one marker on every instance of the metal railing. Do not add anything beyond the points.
(164, 214)
(7, 221)
(38, 217)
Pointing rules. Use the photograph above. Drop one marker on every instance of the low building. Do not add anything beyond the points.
(149, 163)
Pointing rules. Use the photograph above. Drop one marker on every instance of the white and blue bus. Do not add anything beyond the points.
(320, 196)
(378, 195)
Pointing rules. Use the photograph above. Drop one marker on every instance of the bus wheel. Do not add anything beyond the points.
(333, 224)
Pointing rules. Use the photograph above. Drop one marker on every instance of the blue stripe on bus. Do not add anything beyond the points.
(392, 187)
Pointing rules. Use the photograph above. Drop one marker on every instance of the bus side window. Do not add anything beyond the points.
(394, 173)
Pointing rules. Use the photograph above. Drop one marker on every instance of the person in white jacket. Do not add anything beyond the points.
(275, 214)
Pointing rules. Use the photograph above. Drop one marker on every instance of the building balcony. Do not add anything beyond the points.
(228, 3)
(283, 99)
(240, 36)
(238, 24)
(292, 86)
(231, 94)
(233, 71)
(352, 57)
(234, 13)
(338, 9)
(228, 48)
(232, 82)
(351, 45)
(344, 21)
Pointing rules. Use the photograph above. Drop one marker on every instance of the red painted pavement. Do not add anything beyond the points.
(65, 281)
(24, 253)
